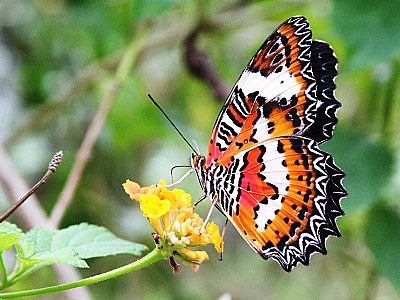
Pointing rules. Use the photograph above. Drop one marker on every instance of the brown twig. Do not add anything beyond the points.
(56, 160)
(200, 65)
(83, 156)
(128, 59)
(32, 214)
(92, 134)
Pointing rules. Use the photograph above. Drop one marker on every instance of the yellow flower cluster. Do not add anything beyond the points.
(171, 215)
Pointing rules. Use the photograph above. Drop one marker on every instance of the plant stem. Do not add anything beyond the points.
(150, 258)
(3, 272)
(85, 151)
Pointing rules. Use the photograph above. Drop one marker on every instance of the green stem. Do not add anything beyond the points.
(3, 272)
(150, 258)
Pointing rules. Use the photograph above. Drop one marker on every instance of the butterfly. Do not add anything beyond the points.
(264, 169)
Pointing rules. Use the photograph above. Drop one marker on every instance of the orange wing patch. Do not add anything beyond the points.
(273, 89)
(277, 193)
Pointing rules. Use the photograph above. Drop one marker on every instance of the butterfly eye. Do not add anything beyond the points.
(198, 161)
(246, 141)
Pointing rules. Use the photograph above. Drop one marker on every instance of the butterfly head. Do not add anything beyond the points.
(198, 162)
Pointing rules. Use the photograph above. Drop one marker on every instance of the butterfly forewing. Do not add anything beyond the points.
(274, 96)
(278, 189)
(324, 66)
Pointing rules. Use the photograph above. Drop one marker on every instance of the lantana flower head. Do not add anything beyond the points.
(178, 228)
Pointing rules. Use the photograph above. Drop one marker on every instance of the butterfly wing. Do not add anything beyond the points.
(324, 66)
(274, 96)
(283, 197)
(278, 189)
(286, 89)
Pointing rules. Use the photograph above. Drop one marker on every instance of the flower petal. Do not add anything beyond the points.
(132, 189)
(153, 207)
(216, 239)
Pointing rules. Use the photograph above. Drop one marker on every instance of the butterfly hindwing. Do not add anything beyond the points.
(283, 197)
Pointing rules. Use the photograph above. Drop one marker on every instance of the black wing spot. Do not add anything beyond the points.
(307, 196)
(304, 157)
(293, 228)
(302, 212)
(309, 178)
(280, 147)
(282, 243)
(277, 58)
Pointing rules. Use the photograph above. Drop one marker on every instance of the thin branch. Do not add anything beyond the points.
(85, 151)
(83, 156)
(31, 215)
(133, 54)
(51, 169)
(199, 63)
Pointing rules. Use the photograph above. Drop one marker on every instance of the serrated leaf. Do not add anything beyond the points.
(42, 237)
(8, 240)
(6, 227)
(61, 256)
(9, 235)
(86, 240)
(94, 241)
(383, 240)
(25, 247)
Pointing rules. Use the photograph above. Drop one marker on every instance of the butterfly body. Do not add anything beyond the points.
(264, 168)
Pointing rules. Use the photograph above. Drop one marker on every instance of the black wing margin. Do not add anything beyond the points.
(324, 65)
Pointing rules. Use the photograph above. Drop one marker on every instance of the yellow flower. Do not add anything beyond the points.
(216, 239)
(178, 228)
(153, 207)
(132, 189)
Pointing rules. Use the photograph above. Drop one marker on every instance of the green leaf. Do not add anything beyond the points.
(370, 30)
(368, 166)
(25, 247)
(86, 240)
(6, 227)
(9, 235)
(61, 256)
(41, 247)
(382, 239)
(7, 241)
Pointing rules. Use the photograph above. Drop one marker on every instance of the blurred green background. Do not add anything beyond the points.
(57, 62)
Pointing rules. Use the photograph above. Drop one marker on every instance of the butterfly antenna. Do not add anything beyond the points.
(172, 123)
(197, 146)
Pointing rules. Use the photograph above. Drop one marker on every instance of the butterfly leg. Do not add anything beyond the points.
(222, 236)
(200, 200)
(173, 169)
(180, 179)
(214, 203)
